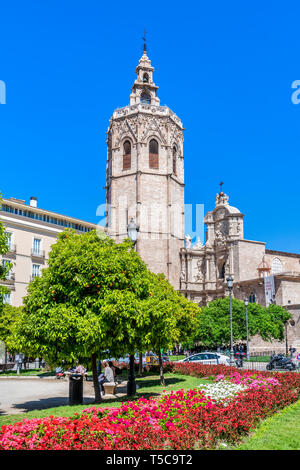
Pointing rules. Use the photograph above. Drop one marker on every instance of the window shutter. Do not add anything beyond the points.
(127, 156)
(153, 154)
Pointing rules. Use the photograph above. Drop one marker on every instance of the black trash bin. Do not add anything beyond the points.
(76, 389)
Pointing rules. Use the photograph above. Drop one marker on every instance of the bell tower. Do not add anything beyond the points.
(145, 175)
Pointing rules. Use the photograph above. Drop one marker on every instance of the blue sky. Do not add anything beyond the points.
(225, 68)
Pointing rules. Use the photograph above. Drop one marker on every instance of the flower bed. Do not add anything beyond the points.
(181, 420)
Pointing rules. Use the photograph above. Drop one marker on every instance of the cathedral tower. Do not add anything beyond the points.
(145, 175)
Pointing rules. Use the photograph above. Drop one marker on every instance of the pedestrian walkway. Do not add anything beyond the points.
(19, 395)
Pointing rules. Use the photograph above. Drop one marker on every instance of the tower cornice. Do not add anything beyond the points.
(148, 109)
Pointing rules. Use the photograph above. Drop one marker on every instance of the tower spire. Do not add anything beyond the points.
(144, 89)
(144, 39)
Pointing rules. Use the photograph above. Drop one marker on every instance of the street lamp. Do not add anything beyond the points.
(132, 230)
(230, 287)
(246, 302)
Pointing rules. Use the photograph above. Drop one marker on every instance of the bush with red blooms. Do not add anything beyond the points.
(178, 420)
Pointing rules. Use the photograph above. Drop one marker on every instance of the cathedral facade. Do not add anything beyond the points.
(145, 184)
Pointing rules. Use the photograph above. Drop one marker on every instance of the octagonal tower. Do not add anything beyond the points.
(145, 175)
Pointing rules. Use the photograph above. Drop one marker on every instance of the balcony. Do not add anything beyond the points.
(10, 279)
(11, 251)
(40, 254)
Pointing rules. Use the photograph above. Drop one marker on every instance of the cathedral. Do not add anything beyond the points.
(145, 185)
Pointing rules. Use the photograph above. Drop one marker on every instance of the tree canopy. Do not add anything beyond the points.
(214, 322)
(3, 268)
(98, 295)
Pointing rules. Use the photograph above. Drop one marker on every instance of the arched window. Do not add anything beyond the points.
(222, 271)
(174, 160)
(145, 98)
(276, 266)
(153, 154)
(127, 155)
(145, 78)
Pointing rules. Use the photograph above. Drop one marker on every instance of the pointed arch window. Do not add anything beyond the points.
(153, 154)
(174, 160)
(145, 98)
(222, 271)
(127, 155)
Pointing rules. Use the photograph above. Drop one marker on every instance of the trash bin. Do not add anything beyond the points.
(76, 389)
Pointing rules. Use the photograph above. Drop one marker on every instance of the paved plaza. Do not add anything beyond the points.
(19, 395)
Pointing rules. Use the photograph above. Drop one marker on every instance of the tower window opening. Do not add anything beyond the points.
(145, 78)
(222, 271)
(127, 155)
(153, 154)
(174, 160)
(145, 98)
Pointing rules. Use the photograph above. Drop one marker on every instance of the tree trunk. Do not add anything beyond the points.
(131, 385)
(5, 358)
(95, 379)
(140, 365)
(161, 370)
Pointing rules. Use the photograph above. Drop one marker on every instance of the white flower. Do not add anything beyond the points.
(222, 390)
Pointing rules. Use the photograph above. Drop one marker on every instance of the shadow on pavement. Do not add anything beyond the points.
(43, 404)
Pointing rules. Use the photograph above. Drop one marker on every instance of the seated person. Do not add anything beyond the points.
(108, 373)
(101, 380)
(80, 369)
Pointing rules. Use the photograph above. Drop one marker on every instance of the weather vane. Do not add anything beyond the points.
(144, 39)
(221, 184)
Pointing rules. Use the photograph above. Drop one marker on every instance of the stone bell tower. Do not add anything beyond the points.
(145, 175)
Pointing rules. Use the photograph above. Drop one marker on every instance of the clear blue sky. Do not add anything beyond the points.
(225, 68)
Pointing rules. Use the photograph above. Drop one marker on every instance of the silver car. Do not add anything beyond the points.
(208, 358)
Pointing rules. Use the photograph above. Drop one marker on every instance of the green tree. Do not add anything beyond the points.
(70, 311)
(9, 316)
(3, 268)
(96, 295)
(172, 318)
(214, 322)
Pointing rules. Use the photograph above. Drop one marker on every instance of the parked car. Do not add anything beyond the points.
(208, 357)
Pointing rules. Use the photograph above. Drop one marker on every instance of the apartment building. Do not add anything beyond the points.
(30, 233)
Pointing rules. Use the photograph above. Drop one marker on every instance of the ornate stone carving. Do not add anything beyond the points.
(198, 245)
(188, 241)
(153, 125)
(222, 199)
(200, 275)
(122, 128)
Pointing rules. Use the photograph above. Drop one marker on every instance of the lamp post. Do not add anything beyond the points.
(132, 230)
(246, 302)
(230, 287)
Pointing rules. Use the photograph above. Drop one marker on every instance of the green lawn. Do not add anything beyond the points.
(176, 358)
(279, 432)
(149, 385)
